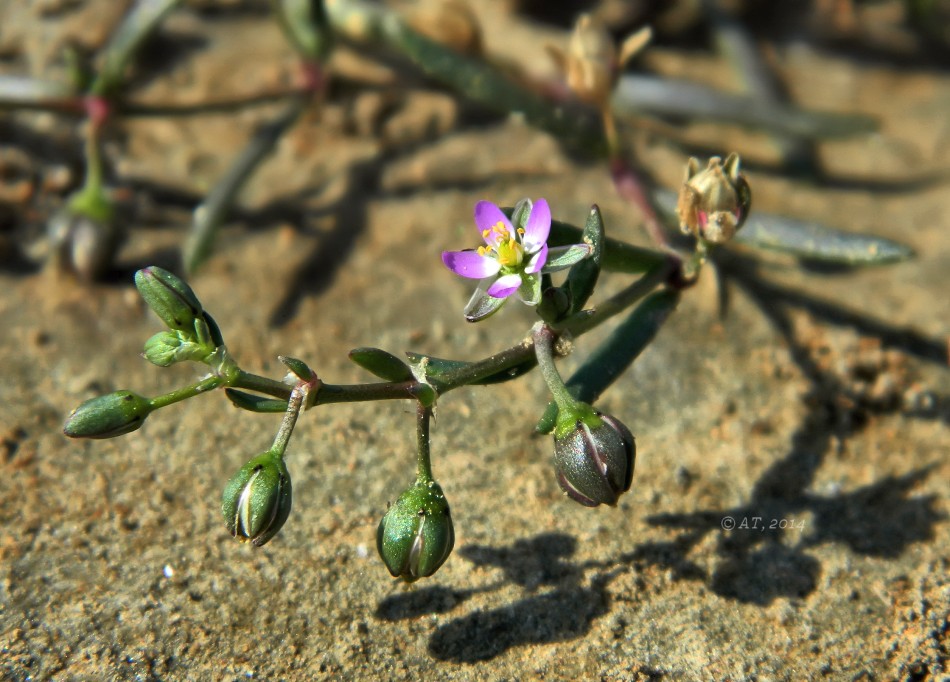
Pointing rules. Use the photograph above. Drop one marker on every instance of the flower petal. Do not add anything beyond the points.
(537, 260)
(538, 226)
(470, 264)
(561, 257)
(487, 215)
(505, 286)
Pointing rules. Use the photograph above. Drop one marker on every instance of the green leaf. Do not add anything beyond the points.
(616, 353)
(617, 256)
(439, 367)
(19, 92)
(382, 364)
(210, 214)
(808, 239)
(814, 241)
(490, 87)
(582, 278)
(638, 94)
(255, 403)
(137, 26)
(300, 368)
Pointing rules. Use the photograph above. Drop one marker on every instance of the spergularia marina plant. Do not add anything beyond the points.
(519, 253)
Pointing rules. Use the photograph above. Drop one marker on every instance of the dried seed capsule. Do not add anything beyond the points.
(714, 204)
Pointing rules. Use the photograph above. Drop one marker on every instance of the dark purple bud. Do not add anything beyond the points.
(594, 460)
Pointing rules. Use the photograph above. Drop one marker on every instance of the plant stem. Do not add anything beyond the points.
(206, 384)
(544, 338)
(424, 463)
(584, 322)
(297, 397)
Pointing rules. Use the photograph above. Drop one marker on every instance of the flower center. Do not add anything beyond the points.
(506, 247)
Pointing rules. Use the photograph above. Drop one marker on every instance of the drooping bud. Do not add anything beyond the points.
(416, 536)
(108, 416)
(170, 298)
(256, 501)
(86, 235)
(714, 204)
(594, 457)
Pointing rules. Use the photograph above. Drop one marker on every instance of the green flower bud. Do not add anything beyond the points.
(594, 456)
(416, 536)
(108, 416)
(170, 298)
(86, 236)
(168, 347)
(256, 501)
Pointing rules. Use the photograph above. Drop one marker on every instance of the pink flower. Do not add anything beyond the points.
(513, 258)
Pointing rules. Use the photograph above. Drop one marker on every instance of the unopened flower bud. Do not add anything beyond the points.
(594, 458)
(86, 235)
(108, 416)
(714, 204)
(167, 347)
(416, 536)
(170, 298)
(256, 501)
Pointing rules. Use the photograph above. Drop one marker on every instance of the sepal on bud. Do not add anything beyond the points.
(256, 501)
(416, 536)
(171, 299)
(594, 456)
(108, 416)
(168, 347)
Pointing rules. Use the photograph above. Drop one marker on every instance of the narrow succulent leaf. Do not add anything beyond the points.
(638, 94)
(382, 364)
(810, 239)
(612, 358)
(484, 84)
(437, 368)
(562, 257)
(18, 92)
(255, 403)
(300, 368)
(814, 241)
(210, 214)
(617, 256)
(582, 278)
(135, 28)
(304, 22)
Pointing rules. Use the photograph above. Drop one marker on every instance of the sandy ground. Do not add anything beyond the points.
(812, 416)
